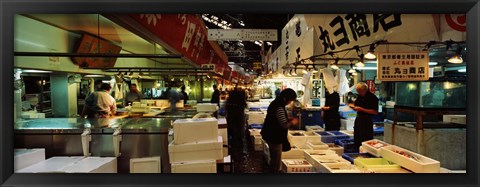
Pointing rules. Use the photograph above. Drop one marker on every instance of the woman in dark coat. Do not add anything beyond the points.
(276, 125)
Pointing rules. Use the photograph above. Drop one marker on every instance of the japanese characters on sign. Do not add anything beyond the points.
(359, 26)
(209, 66)
(185, 33)
(403, 66)
(242, 34)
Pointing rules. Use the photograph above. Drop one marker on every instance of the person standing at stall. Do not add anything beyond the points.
(134, 95)
(366, 106)
(184, 94)
(330, 115)
(215, 95)
(173, 98)
(101, 104)
(276, 125)
(235, 107)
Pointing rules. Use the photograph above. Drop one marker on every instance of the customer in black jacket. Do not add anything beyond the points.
(275, 127)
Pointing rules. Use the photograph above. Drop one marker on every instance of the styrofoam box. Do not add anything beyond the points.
(314, 128)
(374, 150)
(365, 164)
(224, 134)
(300, 141)
(460, 119)
(339, 167)
(319, 152)
(254, 132)
(256, 117)
(347, 124)
(294, 154)
(348, 132)
(316, 160)
(336, 148)
(423, 165)
(195, 130)
(206, 166)
(93, 165)
(317, 145)
(51, 165)
(207, 107)
(196, 151)
(27, 157)
(296, 166)
(145, 165)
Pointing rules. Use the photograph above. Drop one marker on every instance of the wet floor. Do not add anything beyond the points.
(245, 158)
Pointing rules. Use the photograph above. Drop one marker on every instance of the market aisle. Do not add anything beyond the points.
(246, 159)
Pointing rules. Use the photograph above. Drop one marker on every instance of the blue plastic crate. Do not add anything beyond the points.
(256, 126)
(347, 144)
(254, 109)
(326, 137)
(378, 131)
(352, 156)
(339, 135)
(349, 114)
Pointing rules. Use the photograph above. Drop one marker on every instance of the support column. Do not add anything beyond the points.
(64, 95)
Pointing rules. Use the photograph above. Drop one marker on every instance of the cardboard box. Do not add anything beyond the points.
(51, 165)
(415, 162)
(195, 151)
(205, 166)
(145, 165)
(373, 146)
(93, 165)
(296, 166)
(207, 107)
(27, 157)
(195, 130)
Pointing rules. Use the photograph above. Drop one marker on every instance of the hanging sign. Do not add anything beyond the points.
(403, 66)
(257, 66)
(209, 66)
(242, 34)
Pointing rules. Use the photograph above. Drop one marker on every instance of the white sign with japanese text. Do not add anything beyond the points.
(242, 34)
(403, 66)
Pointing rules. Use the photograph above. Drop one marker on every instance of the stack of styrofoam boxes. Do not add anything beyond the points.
(77, 164)
(347, 124)
(27, 157)
(224, 133)
(458, 119)
(327, 161)
(299, 138)
(196, 146)
(207, 107)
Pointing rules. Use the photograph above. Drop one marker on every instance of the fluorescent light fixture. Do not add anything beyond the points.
(366, 68)
(462, 70)
(34, 71)
(269, 43)
(94, 76)
(432, 63)
(105, 81)
(31, 43)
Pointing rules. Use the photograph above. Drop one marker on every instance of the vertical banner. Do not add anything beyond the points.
(403, 66)
(371, 85)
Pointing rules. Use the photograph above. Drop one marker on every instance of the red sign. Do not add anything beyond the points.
(459, 23)
(186, 33)
(227, 72)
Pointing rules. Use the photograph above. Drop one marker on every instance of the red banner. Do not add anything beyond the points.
(186, 33)
(227, 72)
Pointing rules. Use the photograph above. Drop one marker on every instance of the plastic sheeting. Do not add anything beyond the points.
(329, 79)
(341, 78)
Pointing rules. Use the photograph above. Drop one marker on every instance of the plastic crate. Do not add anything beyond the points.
(326, 137)
(352, 156)
(339, 135)
(347, 114)
(256, 126)
(378, 131)
(347, 144)
(364, 164)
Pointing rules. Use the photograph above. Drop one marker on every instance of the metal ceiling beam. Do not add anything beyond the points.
(50, 54)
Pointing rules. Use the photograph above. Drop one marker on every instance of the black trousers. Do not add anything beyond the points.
(236, 123)
(332, 122)
(363, 130)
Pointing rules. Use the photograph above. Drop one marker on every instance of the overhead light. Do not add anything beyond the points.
(35, 71)
(335, 66)
(366, 68)
(351, 70)
(457, 58)
(360, 64)
(105, 81)
(269, 43)
(371, 52)
(462, 70)
(241, 23)
(355, 73)
(304, 72)
(432, 63)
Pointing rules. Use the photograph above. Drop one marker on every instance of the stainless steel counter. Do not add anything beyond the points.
(141, 137)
